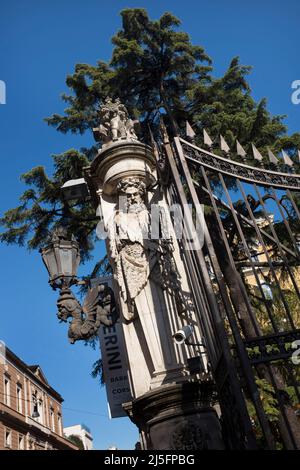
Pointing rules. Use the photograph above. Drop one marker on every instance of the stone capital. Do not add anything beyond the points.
(122, 160)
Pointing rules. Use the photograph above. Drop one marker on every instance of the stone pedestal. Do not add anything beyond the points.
(177, 417)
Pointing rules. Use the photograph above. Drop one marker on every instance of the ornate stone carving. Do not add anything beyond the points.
(115, 123)
(166, 275)
(189, 437)
(178, 417)
(98, 307)
(134, 256)
(128, 241)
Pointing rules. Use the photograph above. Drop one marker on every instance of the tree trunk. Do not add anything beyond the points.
(168, 109)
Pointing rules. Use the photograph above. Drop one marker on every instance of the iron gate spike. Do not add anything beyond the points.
(224, 146)
(189, 131)
(256, 154)
(287, 160)
(207, 139)
(240, 150)
(272, 157)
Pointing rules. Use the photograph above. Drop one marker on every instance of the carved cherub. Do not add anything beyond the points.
(115, 123)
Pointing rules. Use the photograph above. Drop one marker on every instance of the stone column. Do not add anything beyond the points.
(151, 289)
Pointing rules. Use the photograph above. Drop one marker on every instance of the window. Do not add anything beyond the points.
(21, 442)
(6, 390)
(31, 443)
(34, 407)
(41, 411)
(59, 425)
(7, 438)
(37, 408)
(267, 290)
(52, 419)
(19, 398)
(254, 258)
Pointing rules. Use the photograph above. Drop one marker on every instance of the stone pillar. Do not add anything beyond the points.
(152, 292)
(149, 277)
(177, 417)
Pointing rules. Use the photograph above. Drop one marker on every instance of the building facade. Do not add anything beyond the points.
(81, 431)
(30, 409)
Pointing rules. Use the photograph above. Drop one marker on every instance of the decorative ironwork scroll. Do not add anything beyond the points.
(240, 170)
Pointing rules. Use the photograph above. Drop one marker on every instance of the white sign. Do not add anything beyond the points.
(114, 361)
(115, 368)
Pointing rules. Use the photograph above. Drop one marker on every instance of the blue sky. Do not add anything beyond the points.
(40, 42)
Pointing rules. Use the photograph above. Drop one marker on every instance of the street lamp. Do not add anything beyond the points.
(61, 258)
(35, 412)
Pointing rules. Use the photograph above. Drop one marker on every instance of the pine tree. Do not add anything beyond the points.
(226, 107)
(154, 68)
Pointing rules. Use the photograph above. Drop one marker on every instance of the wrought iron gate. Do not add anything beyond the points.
(245, 285)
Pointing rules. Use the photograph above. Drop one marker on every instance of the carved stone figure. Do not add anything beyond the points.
(130, 250)
(115, 123)
(134, 256)
(98, 307)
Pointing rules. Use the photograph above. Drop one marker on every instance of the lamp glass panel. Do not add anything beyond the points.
(51, 263)
(77, 261)
(66, 261)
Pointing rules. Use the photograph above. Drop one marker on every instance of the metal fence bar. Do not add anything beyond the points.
(200, 300)
(230, 314)
(246, 248)
(277, 255)
(286, 222)
(284, 422)
(290, 196)
(228, 250)
(247, 221)
(243, 434)
(283, 258)
(269, 260)
(289, 440)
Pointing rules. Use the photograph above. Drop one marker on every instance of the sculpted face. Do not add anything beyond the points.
(133, 197)
(133, 190)
(66, 307)
(63, 312)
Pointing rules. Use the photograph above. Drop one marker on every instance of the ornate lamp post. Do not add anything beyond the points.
(61, 258)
